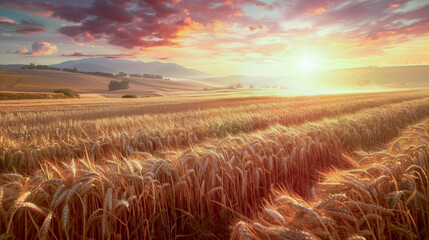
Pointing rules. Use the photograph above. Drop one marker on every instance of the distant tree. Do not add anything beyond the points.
(129, 96)
(152, 76)
(365, 82)
(251, 86)
(39, 66)
(135, 75)
(118, 85)
(103, 74)
(239, 86)
(68, 92)
(121, 74)
(74, 70)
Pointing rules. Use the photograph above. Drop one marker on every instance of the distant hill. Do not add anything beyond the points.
(351, 79)
(177, 71)
(376, 77)
(36, 80)
(89, 67)
(11, 65)
(170, 70)
(246, 81)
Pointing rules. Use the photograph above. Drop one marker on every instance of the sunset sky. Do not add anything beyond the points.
(222, 37)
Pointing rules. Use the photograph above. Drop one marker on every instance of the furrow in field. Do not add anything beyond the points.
(114, 136)
(46, 113)
(91, 112)
(385, 195)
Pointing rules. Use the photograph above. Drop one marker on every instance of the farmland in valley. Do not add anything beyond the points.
(233, 165)
(37, 80)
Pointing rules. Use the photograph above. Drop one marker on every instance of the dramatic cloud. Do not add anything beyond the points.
(109, 56)
(24, 27)
(27, 27)
(229, 29)
(149, 23)
(142, 24)
(38, 49)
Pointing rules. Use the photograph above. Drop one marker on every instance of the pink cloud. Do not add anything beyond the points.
(254, 27)
(7, 20)
(41, 9)
(156, 23)
(141, 24)
(23, 27)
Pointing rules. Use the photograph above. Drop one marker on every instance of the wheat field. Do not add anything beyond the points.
(221, 166)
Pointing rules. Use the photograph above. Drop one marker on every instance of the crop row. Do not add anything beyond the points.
(23, 147)
(196, 193)
(385, 197)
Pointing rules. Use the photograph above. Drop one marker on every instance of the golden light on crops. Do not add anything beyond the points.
(230, 119)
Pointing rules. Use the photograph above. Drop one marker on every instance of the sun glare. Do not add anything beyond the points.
(307, 64)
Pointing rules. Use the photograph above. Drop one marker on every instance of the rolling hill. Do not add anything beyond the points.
(356, 79)
(34, 80)
(259, 81)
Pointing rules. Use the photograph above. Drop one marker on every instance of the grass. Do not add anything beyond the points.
(67, 92)
(30, 95)
(129, 96)
(323, 167)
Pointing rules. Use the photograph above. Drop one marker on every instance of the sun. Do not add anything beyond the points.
(307, 64)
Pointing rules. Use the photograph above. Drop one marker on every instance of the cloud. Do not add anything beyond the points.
(27, 27)
(363, 26)
(6, 20)
(131, 24)
(145, 24)
(37, 49)
(43, 49)
(19, 51)
(254, 27)
(109, 56)
(23, 27)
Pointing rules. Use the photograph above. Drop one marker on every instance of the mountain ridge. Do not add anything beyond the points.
(171, 70)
